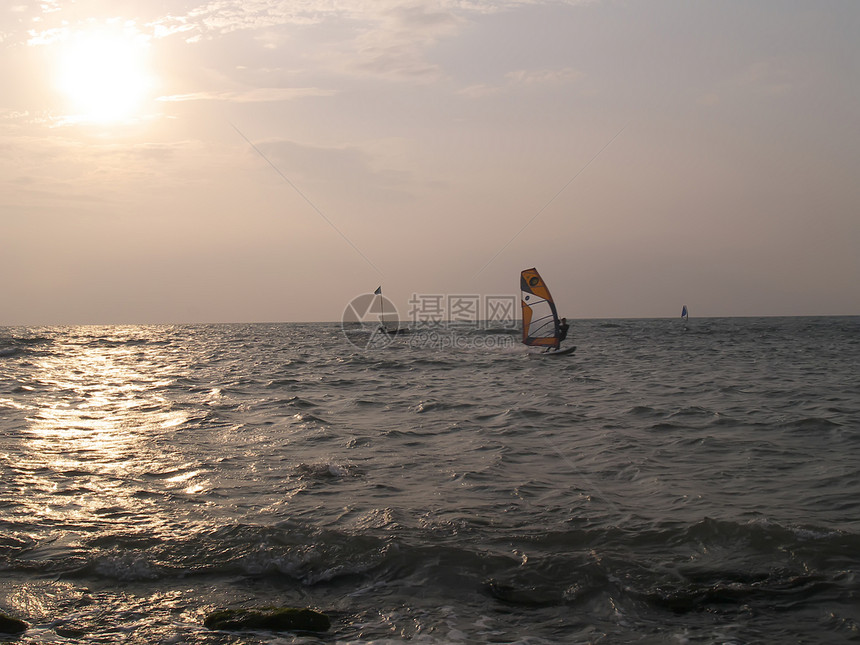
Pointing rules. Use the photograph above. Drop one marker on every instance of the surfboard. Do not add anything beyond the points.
(562, 352)
(567, 351)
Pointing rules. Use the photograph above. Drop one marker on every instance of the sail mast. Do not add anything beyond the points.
(378, 292)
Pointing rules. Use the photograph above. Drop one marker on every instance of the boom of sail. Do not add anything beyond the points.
(540, 319)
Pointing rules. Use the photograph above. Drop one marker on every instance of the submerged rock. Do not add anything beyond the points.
(9, 625)
(269, 618)
(522, 595)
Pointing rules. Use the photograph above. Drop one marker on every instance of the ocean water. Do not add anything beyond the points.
(661, 485)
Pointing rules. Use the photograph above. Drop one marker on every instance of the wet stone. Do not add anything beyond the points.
(269, 618)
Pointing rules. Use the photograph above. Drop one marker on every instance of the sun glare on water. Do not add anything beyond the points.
(104, 75)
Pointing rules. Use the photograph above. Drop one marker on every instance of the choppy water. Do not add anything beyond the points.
(660, 485)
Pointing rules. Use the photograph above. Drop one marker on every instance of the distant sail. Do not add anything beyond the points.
(540, 320)
(684, 313)
(378, 292)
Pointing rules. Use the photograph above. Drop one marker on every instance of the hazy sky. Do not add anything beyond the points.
(268, 160)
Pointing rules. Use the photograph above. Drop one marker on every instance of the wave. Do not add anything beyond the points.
(811, 424)
(719, 571)
(326, 471)
(300, 403)
(22, 346)
(654, 481)
(706, 591)
(702, 554)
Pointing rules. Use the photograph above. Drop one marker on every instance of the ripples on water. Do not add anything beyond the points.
(661, 484)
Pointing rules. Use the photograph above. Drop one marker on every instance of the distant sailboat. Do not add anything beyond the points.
(684, 313)
(383, 327)
(541, 326)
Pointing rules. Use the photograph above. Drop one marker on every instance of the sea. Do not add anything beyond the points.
(668, 482)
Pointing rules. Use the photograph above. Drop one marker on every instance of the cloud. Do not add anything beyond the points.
(480, 90)
(226, 16)
(385, 38)
(395, 43)
(255, 95)
(764, 78)
(389, 39)
(60, 168)
(354, 169)
(524, 78)
(768, 77)
(543, 76)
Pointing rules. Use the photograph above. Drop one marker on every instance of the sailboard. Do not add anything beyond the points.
(383, 327)
(685, 315)
(541, 326)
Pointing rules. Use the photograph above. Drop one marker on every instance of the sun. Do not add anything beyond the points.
(104, 74)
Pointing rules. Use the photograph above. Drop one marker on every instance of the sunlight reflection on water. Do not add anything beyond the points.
(89, 433)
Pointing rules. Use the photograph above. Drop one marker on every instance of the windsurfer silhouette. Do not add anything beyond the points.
(562, 330)
(562, 334)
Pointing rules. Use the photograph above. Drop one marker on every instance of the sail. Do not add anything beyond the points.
(684, 313)
(540, 320)
(378, 292)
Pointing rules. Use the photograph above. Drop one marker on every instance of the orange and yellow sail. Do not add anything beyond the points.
(540, 319)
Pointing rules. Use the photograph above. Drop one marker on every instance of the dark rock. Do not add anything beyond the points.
(9, 625)
(269, 618)
(521, 595)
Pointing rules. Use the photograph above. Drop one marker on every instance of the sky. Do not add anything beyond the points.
(175, 161)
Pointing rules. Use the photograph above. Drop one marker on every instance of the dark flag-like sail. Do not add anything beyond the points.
(540, 320)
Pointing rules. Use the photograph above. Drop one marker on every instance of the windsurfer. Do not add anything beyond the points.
(562, 329)
(561, 332)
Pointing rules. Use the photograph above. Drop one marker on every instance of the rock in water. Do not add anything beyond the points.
(271, 618)
(9, 625)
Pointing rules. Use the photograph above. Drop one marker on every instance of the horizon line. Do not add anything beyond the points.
(421, 323)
